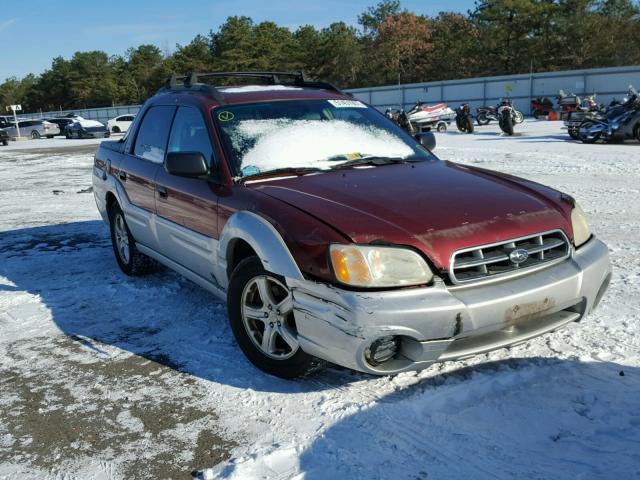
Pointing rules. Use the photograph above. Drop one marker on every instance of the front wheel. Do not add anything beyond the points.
(260, 307)
(5, 142)
(636, 134)
(469, 125)
(116, 129)
(442, 127)
(519, 117)
(536, 114)
(67, 134)
(573, 133)
(35, 134)
(585, 135)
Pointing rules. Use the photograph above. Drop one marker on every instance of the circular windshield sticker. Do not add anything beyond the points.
(225, 116)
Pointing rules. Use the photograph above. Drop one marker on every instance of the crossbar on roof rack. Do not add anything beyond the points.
(191, 81)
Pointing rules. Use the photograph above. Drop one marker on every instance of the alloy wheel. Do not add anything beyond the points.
(122, 238)
(267, 316)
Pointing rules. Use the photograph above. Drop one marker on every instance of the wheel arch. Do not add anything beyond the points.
(246, 234)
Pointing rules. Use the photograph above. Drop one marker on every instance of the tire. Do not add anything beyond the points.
(441, 127)
(5, 142)
(536, 114)
(636, 132)
(469, 125)
(460, 125)
(506, 124)
(68, 134)
(482, 118)
(584, 138)
(35, 135)
(250, 316)
(573, 133)
(116, 129)
(130, 261)
(519, 117)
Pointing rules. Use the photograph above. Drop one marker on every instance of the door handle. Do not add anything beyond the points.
(162, 191)
(122, 175)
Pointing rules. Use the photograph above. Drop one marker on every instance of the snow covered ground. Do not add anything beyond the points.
(108, 377)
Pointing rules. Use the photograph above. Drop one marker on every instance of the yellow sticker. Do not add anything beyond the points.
(352, 156)
(225, 116)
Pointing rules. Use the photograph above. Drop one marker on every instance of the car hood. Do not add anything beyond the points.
(433, 206)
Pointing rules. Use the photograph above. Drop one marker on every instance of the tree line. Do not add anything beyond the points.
(389, 45)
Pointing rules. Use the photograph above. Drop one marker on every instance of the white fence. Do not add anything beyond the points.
(607, 83)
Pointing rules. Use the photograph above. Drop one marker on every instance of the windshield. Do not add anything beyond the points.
(318, 134)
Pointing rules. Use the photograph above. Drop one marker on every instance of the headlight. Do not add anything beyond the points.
(368, 266)
(580, 226)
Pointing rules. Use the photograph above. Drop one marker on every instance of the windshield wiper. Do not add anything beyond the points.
(268, 173)
(372, 161)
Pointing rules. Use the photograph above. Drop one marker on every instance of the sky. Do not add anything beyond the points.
(35, 32)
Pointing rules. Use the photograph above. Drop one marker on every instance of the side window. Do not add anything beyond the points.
(152, 136)
(127, 118)
(189, 134)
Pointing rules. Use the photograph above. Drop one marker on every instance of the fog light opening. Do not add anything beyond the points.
(382, 350)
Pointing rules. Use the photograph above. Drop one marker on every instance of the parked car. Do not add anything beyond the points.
(86, 129)
(34, 129)
(4, 138)
(120, 124)
(62, 123)
(366, 250)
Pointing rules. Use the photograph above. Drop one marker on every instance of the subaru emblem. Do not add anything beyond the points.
(519, 255)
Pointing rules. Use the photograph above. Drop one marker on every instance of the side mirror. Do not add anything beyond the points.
(186, 164)
(427, 140)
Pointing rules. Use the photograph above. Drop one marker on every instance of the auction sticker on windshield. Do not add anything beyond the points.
(347, 104)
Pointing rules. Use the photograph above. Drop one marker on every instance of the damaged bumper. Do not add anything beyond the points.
(441, 322)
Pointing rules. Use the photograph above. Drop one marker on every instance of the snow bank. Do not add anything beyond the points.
(310, 143)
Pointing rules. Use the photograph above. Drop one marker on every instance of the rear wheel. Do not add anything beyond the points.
(442, 127)
(260, 309)
(482, 118)
(636, 134)
(5, 142)
(35, 134)
(129, 259)
(506, 124)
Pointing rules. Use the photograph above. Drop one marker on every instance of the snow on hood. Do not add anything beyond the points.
(256, 88)
(310, 143)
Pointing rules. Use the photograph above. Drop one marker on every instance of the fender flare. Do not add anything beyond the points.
(265, 241)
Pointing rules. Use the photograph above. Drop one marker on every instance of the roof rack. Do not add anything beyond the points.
(191, 82)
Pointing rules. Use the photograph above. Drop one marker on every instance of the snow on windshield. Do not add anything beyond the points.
(310, 143)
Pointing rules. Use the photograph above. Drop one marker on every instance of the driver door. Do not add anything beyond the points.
(187, 208)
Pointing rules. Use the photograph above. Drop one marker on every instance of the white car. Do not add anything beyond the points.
(120, 124)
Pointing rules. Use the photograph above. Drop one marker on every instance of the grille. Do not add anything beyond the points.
(490, 261)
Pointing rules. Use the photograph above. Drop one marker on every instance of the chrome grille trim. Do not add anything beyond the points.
(487, 262)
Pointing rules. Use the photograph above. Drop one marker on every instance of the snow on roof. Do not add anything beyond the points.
(256, 88)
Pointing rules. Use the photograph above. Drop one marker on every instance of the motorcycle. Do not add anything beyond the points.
(620, 122)
(464, 120)
(541, 106)
(487, 113)
(588, 109)
(506, 116)
(400, 118)
(424, 117)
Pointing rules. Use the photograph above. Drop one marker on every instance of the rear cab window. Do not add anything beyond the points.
(151, 140)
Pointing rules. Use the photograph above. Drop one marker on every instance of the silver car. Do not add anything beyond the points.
(33, 129)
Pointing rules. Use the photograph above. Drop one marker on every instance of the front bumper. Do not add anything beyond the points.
(441, 322)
